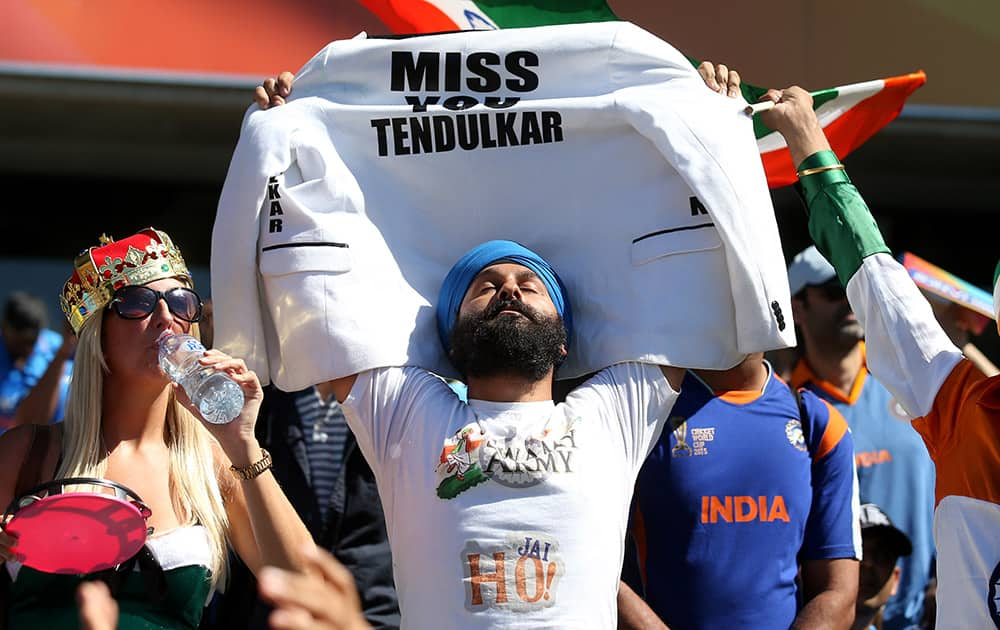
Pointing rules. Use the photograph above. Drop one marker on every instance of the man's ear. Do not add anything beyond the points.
(563, 353)
(896, 572)
(798, 307)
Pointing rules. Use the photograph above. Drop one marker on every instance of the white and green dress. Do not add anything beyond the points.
(47, 600)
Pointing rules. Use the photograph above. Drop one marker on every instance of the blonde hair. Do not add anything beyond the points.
(194, 486)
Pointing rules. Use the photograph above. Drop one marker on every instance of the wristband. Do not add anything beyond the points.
(818, 172)
(819, 169)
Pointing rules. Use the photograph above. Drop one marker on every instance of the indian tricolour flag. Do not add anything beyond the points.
(435, 16)
(849, 114)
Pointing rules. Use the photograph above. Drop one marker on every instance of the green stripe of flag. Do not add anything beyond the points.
(524, 13)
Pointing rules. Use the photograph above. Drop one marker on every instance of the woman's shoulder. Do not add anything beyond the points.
(16, 445)
(16, 451)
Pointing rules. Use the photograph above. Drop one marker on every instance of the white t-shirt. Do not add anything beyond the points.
(507, 514)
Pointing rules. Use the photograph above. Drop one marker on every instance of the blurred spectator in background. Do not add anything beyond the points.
(894, 468)
(960, 322)
(883, 546)
(207, 324)
(35, 364)
(783, 361)
(318, 464)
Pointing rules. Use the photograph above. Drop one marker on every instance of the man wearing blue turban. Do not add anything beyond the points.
(530, 496)
(525, 342)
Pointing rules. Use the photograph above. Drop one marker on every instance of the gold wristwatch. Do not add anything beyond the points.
(255, 469)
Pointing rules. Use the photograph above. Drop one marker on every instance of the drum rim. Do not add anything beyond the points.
(123, 497)
(122, 492)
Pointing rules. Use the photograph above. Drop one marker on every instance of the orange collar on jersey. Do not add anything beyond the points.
(803, 374)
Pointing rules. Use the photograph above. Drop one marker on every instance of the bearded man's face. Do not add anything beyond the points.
(507, 325)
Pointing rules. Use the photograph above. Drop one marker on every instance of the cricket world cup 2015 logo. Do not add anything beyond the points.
(678, 426)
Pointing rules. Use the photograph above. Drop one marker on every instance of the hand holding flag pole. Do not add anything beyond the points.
(763, 106)
(849, 115)
(852, 94)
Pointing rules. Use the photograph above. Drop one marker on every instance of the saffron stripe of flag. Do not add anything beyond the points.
(849, 115)
(435, 16)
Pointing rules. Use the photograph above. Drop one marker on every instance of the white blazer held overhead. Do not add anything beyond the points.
(596, 145)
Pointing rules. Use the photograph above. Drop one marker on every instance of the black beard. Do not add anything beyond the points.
(492, 344)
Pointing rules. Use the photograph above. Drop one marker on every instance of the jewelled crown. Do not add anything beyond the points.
(99, 271)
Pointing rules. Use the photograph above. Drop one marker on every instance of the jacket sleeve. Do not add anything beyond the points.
(708, 139)
(907, 349)
(239, 326)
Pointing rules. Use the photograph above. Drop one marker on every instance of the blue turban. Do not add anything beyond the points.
(457, 282)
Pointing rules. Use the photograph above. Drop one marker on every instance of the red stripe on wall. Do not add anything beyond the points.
(258, 38)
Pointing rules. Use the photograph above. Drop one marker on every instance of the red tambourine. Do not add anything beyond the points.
(59, 531)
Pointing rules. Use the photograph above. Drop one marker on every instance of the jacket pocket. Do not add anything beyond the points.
(680, 240)
(305, 256)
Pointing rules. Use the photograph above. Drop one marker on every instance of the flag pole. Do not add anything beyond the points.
(757, 108)
(763, 106)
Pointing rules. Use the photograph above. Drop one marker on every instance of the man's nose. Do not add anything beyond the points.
(510, 289)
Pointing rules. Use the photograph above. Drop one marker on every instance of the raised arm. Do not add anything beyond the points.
(40, 404)
(341, 387)
(263, 526)
(907, 349)
(274, 90)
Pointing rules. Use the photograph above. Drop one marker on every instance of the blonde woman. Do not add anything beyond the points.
(208, 486)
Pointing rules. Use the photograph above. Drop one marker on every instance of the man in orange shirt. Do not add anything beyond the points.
(955, 407)
(894, 468)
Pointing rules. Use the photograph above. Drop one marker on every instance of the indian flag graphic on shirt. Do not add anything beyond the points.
(458, 465)
(849, 114)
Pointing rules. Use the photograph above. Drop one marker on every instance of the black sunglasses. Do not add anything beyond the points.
(831, 291)
(138, 302)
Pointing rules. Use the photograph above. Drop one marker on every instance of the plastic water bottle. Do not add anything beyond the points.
(217, 397)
